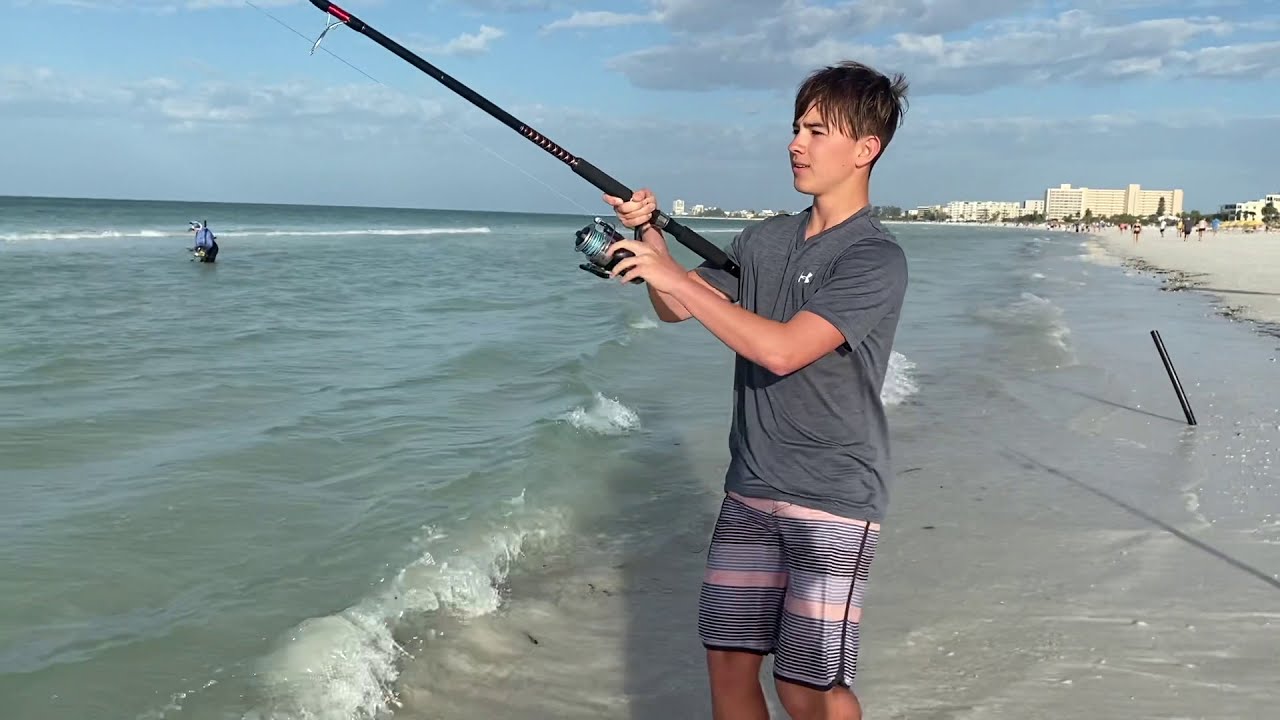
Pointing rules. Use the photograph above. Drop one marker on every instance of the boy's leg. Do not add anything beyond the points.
(739, 606)
(828, 560)
(735, 685)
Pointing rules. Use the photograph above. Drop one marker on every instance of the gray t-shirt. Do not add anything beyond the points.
(817, 437)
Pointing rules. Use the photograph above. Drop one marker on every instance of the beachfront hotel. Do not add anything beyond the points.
(1250, 209)
(982, 210)
(978, 210)
(1065, 201)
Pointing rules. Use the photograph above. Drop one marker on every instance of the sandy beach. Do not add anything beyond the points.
(1241, 269)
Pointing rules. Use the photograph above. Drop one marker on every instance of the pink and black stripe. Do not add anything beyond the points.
(788, 580)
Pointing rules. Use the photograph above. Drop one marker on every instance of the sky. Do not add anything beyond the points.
(214, 100)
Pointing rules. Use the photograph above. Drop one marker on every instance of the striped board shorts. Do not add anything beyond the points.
(790, 581)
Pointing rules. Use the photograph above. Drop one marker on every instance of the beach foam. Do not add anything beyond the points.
(606, 416)
(345, 665)
(235, 233)
(1036, 316)
(899, 380)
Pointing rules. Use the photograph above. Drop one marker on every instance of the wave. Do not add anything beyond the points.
(234, 233)
(642, 322)
(345, 665)
(899, 380)
(86, 235)
(1032, 314)
(480, 230)
(606, 416)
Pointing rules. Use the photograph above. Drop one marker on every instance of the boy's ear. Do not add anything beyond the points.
(868, 150)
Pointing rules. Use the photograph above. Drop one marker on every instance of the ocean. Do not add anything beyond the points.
(408, 463)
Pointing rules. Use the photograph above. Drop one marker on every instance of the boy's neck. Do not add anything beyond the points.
(834, 208)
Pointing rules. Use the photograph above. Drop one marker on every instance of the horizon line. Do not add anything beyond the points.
(4, 196)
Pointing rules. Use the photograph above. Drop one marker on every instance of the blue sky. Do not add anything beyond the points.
(213, 100)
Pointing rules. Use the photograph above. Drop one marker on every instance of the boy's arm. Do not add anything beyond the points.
(868, 283)
(670, 309)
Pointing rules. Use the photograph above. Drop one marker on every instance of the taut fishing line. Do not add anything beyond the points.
(592, 240)
(316, 45)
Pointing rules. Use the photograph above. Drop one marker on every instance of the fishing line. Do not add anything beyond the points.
(316, 45)
(588, 239)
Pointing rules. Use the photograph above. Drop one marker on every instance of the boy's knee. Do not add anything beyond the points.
(735, 665)
(805, 703)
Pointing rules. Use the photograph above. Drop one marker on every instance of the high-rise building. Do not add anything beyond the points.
(1250, 209)
(677, 207)
(982, 210)
(1065, 201)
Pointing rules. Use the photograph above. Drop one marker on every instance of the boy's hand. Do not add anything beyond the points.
(634, 212)
(658, 269)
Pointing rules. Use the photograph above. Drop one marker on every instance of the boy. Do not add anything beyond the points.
(812, 320)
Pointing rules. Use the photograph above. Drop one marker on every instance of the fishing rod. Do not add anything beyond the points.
(593, 239)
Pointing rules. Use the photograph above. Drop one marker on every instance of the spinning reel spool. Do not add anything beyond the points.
(594, 241)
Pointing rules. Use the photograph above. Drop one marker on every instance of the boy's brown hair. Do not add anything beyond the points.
(856, 100)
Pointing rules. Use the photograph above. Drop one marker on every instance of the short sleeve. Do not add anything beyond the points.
(720, 279)
(867, 283)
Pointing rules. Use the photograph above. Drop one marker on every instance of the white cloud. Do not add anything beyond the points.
(507, 6)
(476, 43)
(798, 19)
(1256, 61)
(41, 92)
(601, 19)
(268, 135)
(775, 51)
(157, 6)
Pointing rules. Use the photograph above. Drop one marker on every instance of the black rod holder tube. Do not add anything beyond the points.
(1173, 378)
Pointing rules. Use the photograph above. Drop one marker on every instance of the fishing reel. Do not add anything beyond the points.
(594, 241)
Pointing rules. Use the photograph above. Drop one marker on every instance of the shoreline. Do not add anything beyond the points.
(1238, 272)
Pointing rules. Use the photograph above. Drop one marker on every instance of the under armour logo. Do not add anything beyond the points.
(805, 278)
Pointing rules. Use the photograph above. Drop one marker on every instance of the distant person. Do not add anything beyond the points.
(1162, 224)
(1137, 231)
(812, 320)
(1186, 228)
(206, 242)
(1200, 228)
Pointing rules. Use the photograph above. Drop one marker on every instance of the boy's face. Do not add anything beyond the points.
(824, 160)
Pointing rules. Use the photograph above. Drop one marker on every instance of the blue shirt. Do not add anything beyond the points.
(204, 238)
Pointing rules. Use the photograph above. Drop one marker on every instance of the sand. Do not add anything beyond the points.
(1241, 269)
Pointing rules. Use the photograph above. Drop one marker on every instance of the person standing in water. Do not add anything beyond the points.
(812, 320)
(206, 241)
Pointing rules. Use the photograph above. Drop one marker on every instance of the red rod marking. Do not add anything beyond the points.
(339, 13)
